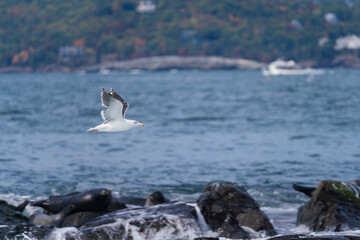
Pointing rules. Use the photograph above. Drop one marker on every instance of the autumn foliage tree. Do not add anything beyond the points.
(31, 32)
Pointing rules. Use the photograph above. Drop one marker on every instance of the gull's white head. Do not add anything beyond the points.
(134, 123)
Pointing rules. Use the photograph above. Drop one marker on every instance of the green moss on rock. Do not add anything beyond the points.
(348, 192)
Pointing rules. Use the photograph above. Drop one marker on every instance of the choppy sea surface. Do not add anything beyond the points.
(200, 126)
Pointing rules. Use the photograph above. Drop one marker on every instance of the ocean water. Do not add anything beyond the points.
(262, 133)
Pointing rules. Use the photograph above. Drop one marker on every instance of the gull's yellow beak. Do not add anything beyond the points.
(141, 124)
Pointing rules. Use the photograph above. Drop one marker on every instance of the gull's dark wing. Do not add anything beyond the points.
(114, 108)
(119, 98)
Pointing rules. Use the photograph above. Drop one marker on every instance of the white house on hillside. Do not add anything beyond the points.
(71, 51)
(351, 42)
(331, 18)
(146, 6)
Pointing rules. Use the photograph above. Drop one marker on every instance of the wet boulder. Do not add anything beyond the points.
(165, 221)
(206, 238)
(10, 215)
(25, 231)
(333, 206)
(228, 208)
(317, 237)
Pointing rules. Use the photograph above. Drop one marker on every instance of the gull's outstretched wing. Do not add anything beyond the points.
(119, 98)
(115, 106)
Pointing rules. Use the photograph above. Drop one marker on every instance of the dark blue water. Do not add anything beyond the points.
(264, 134)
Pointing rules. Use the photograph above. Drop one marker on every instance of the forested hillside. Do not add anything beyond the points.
(32, 32)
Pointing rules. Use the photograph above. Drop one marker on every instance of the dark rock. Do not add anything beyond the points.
(165, 221)
(10, 215)
(334, 206)
(206, 238)
(227, 206)
(25, 231)
(15, 225)
(314, 237)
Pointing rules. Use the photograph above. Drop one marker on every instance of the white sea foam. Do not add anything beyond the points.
(172, 226)
(24, 237)
(282, 218)
(175, 228)
(348, 232)
(61, 233)
(300, 229)
(205, 229)
(254, 234)
(283, 209)
(14, 199)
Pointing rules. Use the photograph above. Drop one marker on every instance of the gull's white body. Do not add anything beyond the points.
(115, 126)
(114, 114)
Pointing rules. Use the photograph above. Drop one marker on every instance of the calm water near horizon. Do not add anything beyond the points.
(200, 126)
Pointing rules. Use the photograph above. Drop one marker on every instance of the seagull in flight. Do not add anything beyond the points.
(114, 114)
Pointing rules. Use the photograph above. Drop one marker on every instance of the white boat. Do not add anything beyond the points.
(280, 67)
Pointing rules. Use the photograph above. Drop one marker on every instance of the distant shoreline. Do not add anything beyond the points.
(149, 64)
(157, 63)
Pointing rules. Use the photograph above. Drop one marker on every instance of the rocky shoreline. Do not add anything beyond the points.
(159, 63)
(176, 62)
(224, 210)
(149, 64)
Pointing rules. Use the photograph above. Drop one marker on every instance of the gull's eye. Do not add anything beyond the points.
(136, 122)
